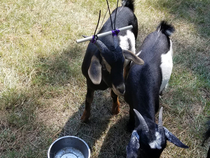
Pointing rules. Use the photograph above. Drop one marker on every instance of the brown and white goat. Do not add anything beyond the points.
(104, 61)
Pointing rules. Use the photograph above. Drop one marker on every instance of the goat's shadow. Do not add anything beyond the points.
(114, 145)
(111, 144)
(99, 120)
(60, 69)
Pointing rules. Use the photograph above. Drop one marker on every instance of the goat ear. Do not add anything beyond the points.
(135, 139)
(173, 139)
(130, 56)
(94, 70)
(133, 146)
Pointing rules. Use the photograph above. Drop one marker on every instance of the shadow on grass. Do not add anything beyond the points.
(196, 12)
(60, 68)
(116, 140)
(25, 135)
(65, 68)
(195, 56)
(92, 132)
(21, 135)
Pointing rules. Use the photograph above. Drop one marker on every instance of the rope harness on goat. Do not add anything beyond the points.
(114, 31)
(94, 39)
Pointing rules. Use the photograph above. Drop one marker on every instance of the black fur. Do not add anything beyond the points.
(125, 17)
(110, 55)
(142, 93)
(165, 28)
(129, 4)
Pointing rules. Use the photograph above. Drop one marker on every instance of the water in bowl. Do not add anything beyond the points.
(69, 152)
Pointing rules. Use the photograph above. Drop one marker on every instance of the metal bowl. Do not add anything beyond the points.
(69, 147)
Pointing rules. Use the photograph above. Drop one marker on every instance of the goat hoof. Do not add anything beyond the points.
(115, 111)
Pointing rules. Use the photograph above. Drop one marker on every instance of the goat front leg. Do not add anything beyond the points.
(88, 101)
(116, 103)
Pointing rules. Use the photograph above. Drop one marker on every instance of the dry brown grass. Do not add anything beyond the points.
(42, 90)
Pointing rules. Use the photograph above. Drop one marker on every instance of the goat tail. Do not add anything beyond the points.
(129, 4)
(165, 28)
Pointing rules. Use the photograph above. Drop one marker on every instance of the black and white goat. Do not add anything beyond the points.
(104, 61)
(144, 83)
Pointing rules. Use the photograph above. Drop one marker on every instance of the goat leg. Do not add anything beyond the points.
(88, 101)
(116, 103)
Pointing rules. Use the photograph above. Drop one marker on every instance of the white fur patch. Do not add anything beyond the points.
(124, 41)
(166, 67)
(156, 144)
(124, 44)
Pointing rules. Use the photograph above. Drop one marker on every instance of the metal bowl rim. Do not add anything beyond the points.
(48, 153)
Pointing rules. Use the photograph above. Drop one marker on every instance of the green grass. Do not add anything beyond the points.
(42, 89)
